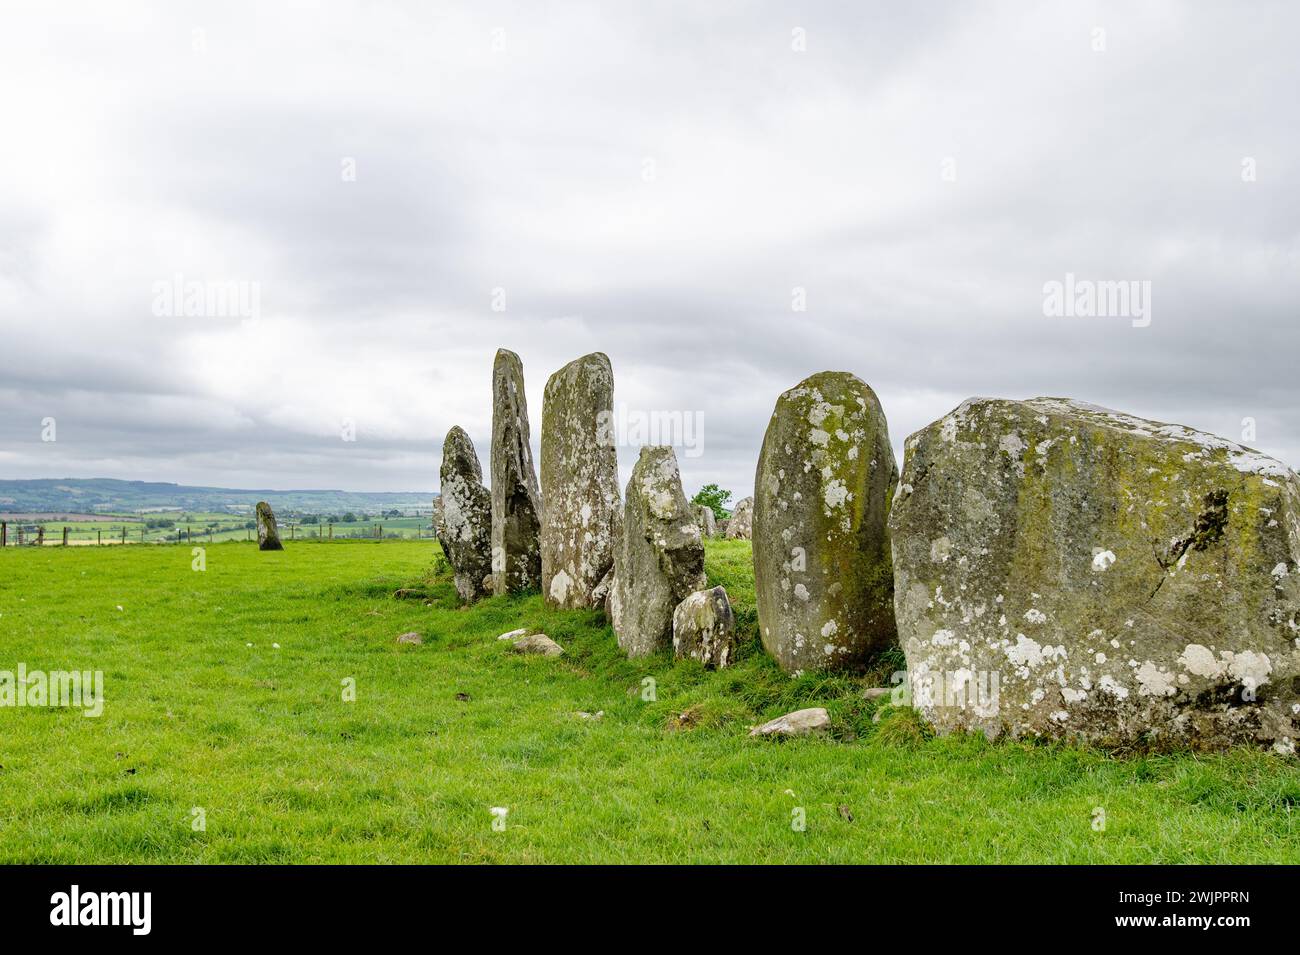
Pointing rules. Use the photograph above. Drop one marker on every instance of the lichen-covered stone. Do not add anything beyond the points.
(704, 628)
(740, 526)
(1072, 572)
(516, 500)
(810, 722)
(538, 643)
(705, 517)
(465, 515)
(659, 558)
(822, 574)
(579, 482)
(268, 538)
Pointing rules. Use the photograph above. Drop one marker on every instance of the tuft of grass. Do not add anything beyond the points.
(285, 769)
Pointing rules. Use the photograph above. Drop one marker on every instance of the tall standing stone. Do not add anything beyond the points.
(268, 537)
(516, 501)
(580, 513)
(822, 569)
(741, 524)
(1071, 572)
(465, 515)
(659, 558)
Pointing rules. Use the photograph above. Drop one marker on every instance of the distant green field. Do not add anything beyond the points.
(210, 527)
(225, 702)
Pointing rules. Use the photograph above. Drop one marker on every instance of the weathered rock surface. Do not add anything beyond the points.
(740, 526)
(465, 509)
(813, 720)
(705, 517)
(268, 538)
(704, 628)
(579, 481)
(412, 637)
(1073, 572)
(822, 572)
(538, 643)
(600, 596)
(659, 559)
(516, 501)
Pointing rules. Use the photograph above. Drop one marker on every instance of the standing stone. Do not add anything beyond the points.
(659, 558)
(268, 538)
(741, 524)
(516, 502)
(465, 515)
(1071, 572)
(704, 628)
(822, 573)
(579, 481)
(705, 518)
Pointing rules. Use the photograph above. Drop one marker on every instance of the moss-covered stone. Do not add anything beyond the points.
(465, 515)
(822, 573)
(1067, 571)
(516, 500)
(704, 628)
(581, 512)
(659, 558)
(268, 537)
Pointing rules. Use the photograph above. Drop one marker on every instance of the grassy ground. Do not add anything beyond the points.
(204, 711)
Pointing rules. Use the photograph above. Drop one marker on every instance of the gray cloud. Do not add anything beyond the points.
(650, 182)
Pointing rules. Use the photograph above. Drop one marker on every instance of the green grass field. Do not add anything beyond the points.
(204, 711)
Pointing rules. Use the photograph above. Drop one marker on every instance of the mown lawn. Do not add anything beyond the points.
(285, 770)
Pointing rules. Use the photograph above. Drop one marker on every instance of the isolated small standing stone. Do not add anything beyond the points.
(516, 500)
(580, 513)
(704, 628)
(659, 559)
(412, 637)
(740, 526)
(268, 538)
(465, 506)
(823, 577)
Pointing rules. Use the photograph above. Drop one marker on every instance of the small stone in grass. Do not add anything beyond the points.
(410, 638)
(513, 634)
(537, 643)
(799, 723)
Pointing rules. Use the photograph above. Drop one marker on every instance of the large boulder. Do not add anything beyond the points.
(516, 501)
(705, 517)
(268, 537)
(659, 558)
(580, 516)
(1072, 572)
(464, 515)
(822, 574)
(740, 526)
(704, 628)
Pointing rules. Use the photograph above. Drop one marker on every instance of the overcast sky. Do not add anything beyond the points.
(651, 181)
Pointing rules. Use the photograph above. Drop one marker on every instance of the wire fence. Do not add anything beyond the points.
(20, 534)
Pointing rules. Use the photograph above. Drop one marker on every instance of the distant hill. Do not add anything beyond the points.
(105, 495)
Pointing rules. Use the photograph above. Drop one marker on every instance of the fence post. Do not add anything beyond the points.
(4, 534)
(65, 535)
(99, 536)
(123, 533)
(20, 535)
(331, 530)
(292, 529)
(40, 535)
